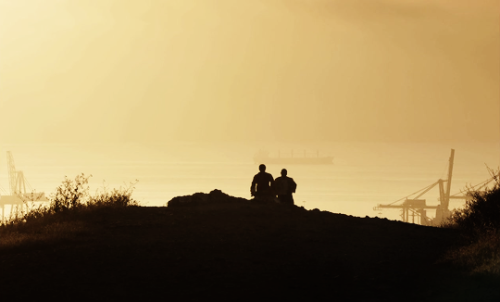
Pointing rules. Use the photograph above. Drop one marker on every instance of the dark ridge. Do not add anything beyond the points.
(214, 197)
(217, 247)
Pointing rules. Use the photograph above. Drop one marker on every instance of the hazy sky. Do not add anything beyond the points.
(284, 70)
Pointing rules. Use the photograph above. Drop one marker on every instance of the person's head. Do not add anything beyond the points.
(283, 172)
(262, 168)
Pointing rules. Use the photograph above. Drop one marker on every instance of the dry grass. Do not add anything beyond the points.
(480, 256)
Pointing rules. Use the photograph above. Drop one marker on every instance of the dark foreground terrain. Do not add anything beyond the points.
(212, 247)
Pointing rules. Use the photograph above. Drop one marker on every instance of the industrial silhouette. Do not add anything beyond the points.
(20, 190)
(416, 208)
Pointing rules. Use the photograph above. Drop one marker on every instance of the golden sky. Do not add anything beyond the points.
(283, 70)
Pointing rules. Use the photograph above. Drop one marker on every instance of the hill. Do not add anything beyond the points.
(214, 246)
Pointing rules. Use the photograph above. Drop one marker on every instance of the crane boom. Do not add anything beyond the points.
(16, 178)
(446, 201)
(11, 169)
(416, 207)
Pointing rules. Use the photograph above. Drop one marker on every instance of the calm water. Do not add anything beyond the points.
(362, 176)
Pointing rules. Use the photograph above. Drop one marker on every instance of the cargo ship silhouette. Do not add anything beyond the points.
(303, 158)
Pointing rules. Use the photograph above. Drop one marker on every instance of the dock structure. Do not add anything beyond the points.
(20, 191)
(415, 209)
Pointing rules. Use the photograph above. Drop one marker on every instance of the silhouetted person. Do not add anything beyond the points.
(262, 185)
(284, 187)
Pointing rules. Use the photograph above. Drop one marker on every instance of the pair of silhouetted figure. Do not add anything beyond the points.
(265, 188)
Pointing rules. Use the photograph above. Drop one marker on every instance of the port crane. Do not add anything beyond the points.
(416, 208)
(20, 189)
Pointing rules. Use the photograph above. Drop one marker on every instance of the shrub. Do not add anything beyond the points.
(479, 222)
(62, 217)
(481, 213)
(115, 198)
(73, 196)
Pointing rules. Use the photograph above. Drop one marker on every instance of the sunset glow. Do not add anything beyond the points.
(156, 71)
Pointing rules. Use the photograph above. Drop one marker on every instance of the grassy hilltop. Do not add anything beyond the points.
(214, 246)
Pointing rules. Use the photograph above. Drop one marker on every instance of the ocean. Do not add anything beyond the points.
(362, 174)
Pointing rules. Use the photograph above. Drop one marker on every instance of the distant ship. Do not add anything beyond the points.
(264, 157)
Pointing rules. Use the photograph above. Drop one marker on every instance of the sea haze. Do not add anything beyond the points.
(362, 174)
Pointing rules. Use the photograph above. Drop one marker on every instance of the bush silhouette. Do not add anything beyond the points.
(481, 213)
(479, 222)
(73, 196)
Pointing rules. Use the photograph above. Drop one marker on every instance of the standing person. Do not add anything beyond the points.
(262, 185)
(285, 186)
